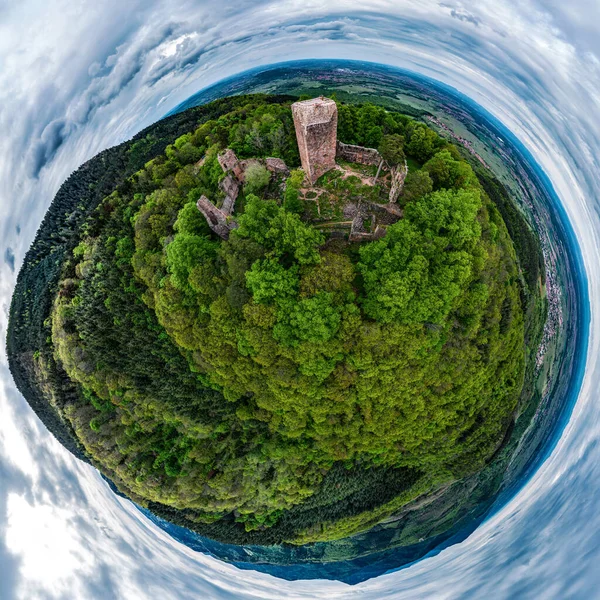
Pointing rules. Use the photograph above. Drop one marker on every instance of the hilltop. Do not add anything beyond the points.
(276, 328)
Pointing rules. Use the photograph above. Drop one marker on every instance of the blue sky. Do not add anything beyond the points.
(78, 76)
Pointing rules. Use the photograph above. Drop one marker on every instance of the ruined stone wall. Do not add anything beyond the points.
(277, 166)
(387, 214)
(216, 219)
(247, 162)
(399, 173)
(235, 171)
(316, 132)
(229, 162)
(358, 154)
(231, 188)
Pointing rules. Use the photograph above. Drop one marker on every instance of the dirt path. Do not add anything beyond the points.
(351, 172)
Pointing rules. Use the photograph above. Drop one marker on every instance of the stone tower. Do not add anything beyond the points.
(316, 131)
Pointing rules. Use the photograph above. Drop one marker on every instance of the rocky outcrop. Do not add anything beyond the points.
(358, 154)
(316, 132)
(217, 219)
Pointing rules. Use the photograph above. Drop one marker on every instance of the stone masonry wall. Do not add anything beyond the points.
(229, 162)
(230, 186)
(399, 173)
(277, 166)
(316, 131)
(358, 154)
(216, 219)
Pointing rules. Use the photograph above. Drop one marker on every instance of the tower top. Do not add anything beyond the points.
(315, 110)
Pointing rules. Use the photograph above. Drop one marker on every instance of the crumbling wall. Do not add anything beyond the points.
(360, 231)
(379, 216)
(315, 122)
(387, 214)
(217, 220)
(277, 166)
(231, 188)
(247, 162)
(399, 173)
(358, 154)
(360, 236)
(237, 168)
(229, 162)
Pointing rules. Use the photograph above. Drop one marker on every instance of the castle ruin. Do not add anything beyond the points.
(316, 131)
(315, 122)
(220, 219)
(217, 220)
(358, 154)
(399, 173)
(229, 163)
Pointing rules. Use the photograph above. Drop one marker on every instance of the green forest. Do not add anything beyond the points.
(284, 385)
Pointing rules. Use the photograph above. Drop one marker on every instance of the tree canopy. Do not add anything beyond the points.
(285, 385)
